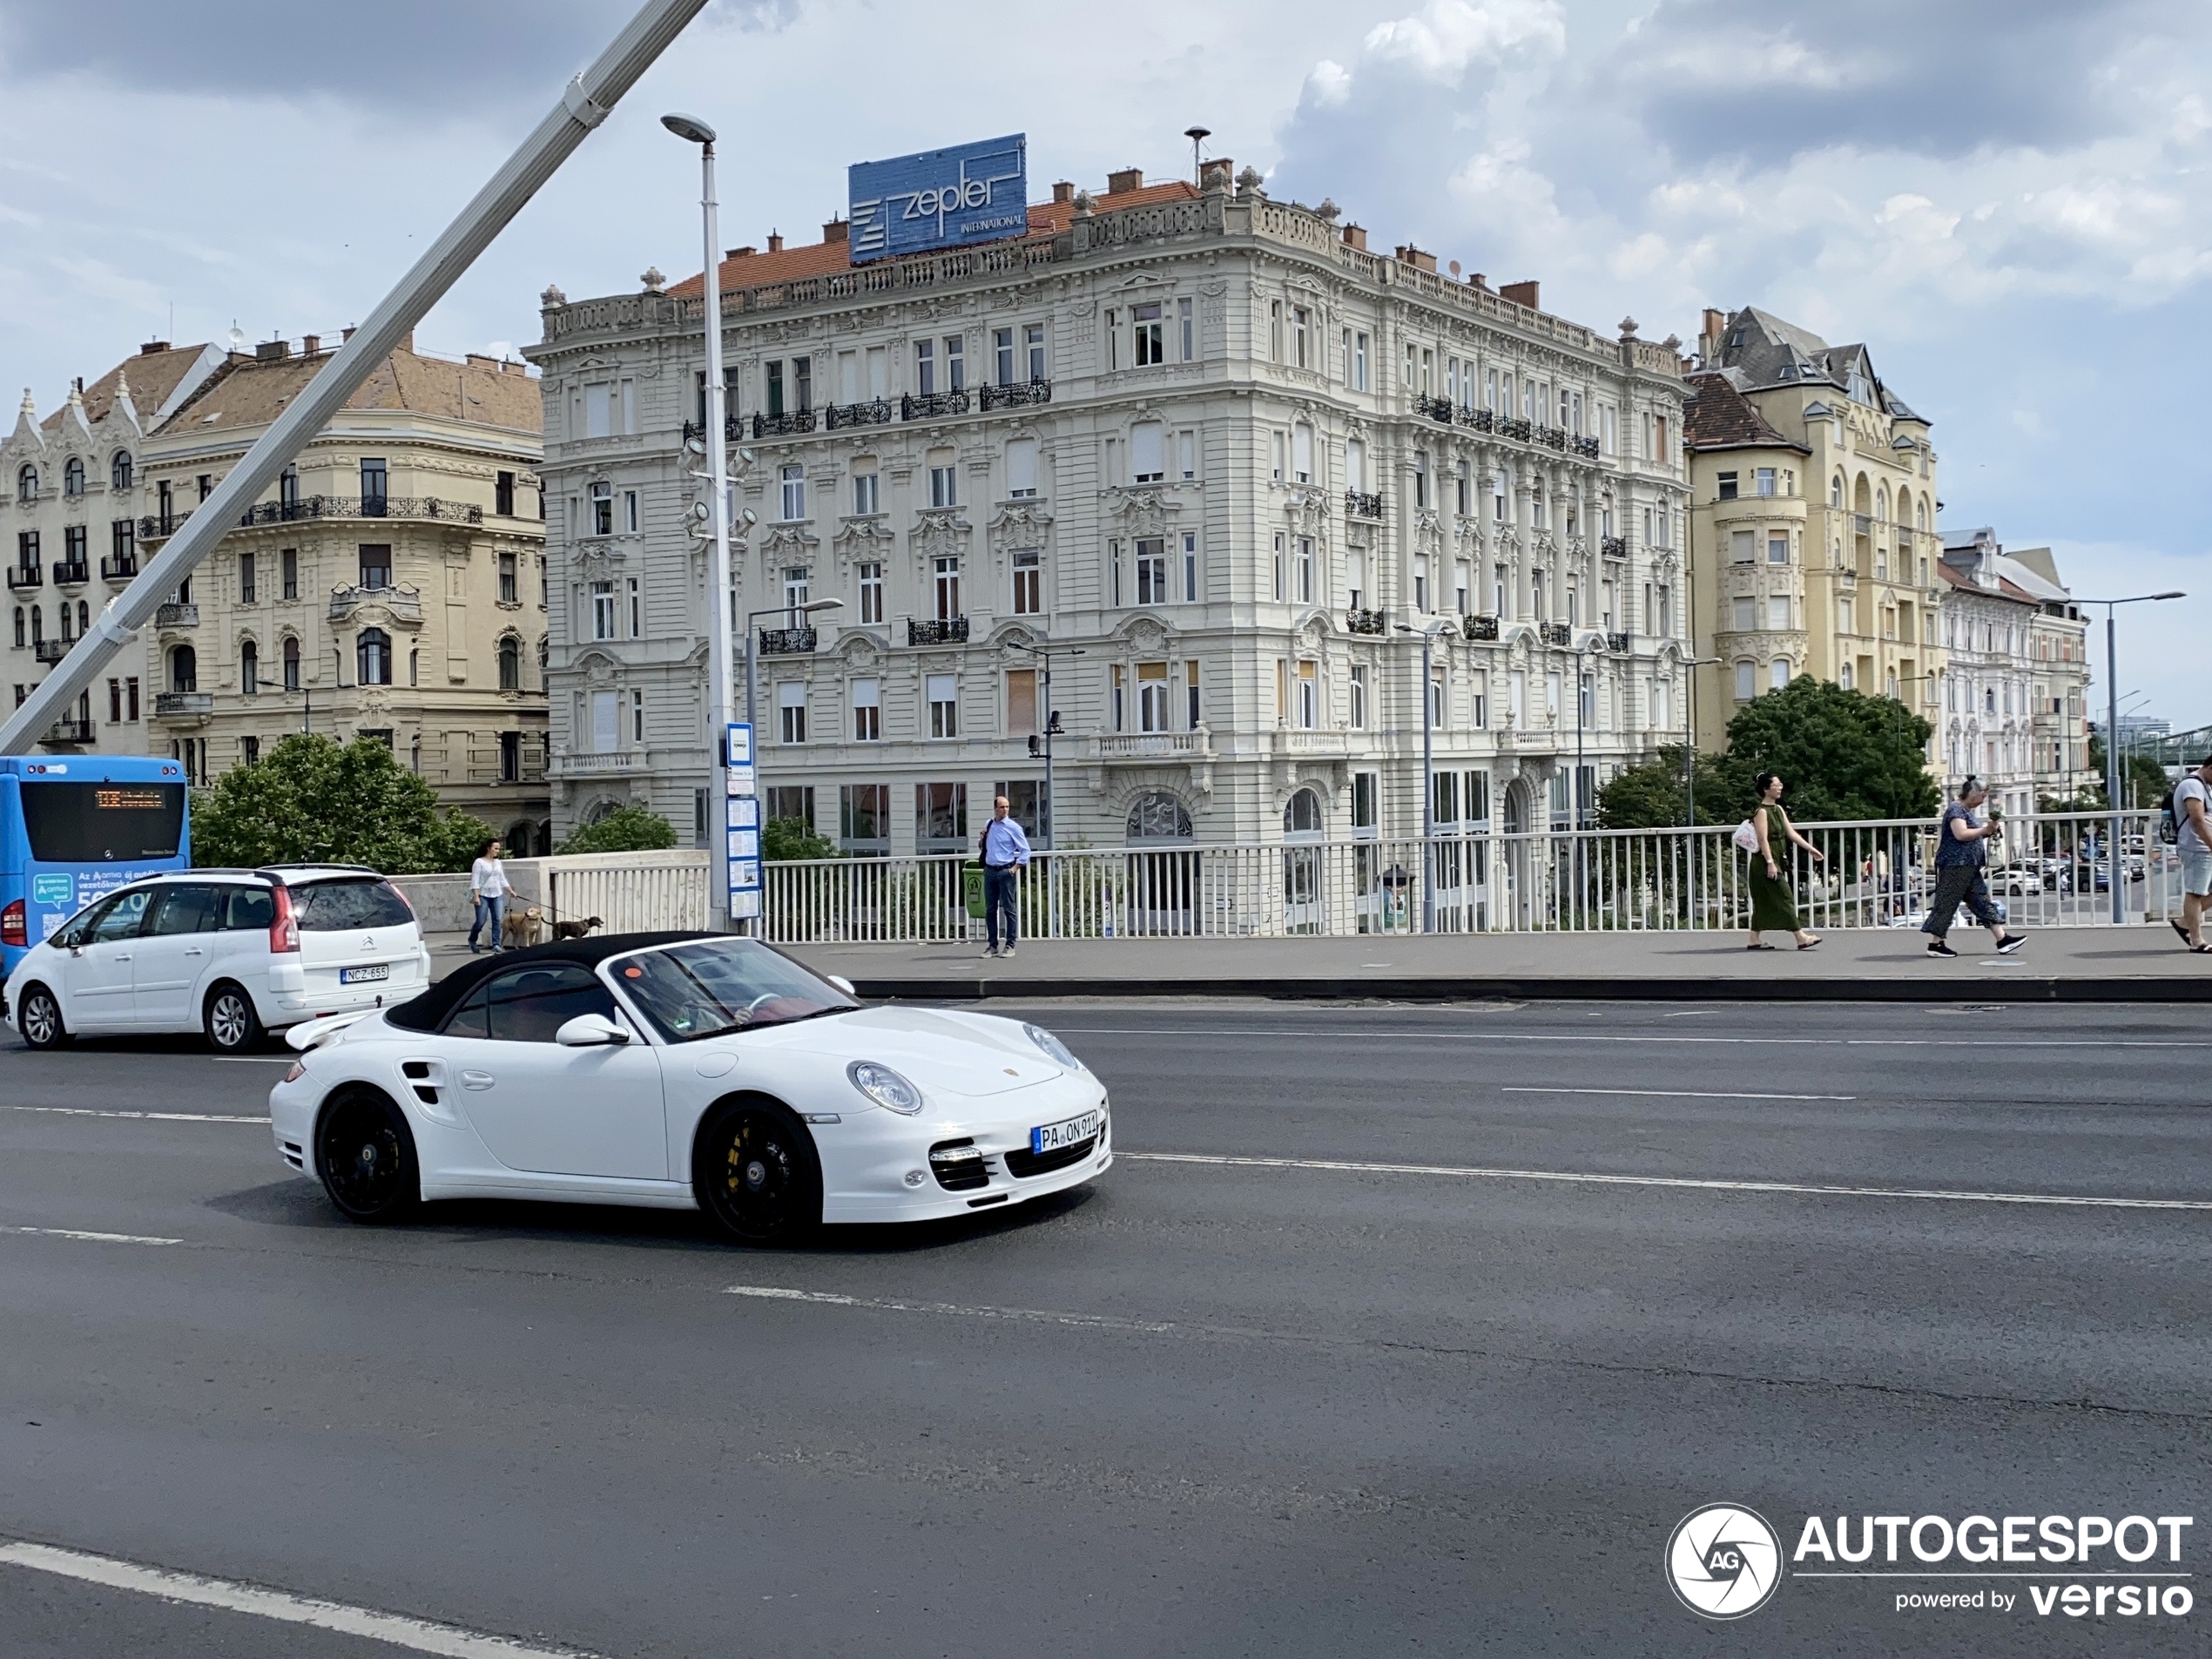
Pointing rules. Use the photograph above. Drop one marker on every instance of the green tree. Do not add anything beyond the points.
(308, 799)
(627, 829)
(1841, 755)
(1651, 796)
(794, 838)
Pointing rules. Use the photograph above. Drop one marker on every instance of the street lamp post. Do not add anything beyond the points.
(1050, 811)
(1428, 771)
(2114, 868)
(694, 130)
(1690, 666)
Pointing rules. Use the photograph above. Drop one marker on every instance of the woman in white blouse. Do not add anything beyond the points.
(488, 885)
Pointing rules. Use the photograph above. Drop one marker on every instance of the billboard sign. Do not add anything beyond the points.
(972, 193)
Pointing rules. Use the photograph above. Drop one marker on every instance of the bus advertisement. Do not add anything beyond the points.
(74, 829)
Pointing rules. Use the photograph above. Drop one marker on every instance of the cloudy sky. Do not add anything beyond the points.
(2009, 200)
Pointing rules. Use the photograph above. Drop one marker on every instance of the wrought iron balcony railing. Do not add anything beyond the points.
(70, 731)
(314, 507)
(161, 526)
(1479, 627)
(786, 641)
(51, 651)
(1437, 409)
(950, 630)
(116, 568)
(1015, 395)
(184, 705)
(176, 616)
(1363, 622)
(1480, 420)
(1554, 633)
(874, 412)
(930, 404)
(1360, 503)
(1585, 447)
(733, 428)
(1613, 547)
(22, 580)
(72, 572)
(1514, 427)
(788, 424)
(1551, 437)
(1617, 643)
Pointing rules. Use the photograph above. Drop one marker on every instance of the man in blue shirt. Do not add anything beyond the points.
(1006, 851)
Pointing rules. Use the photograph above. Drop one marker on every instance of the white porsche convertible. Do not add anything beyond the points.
(682, 1069)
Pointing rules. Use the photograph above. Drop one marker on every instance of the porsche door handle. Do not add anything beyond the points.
(476, 1080)
(195, 951)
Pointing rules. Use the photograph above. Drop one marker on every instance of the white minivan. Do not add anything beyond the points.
(234, 953)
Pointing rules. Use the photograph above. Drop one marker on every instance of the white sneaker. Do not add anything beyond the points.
(990, 950)
(1008, 951)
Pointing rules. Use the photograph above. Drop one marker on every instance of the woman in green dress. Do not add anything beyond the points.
(1772, 909)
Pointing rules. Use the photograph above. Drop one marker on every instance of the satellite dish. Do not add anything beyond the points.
(236, 336)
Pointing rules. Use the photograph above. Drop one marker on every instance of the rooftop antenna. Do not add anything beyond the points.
(1198, 136)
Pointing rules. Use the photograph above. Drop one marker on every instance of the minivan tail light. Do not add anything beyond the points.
(14, 928)
(284, 932)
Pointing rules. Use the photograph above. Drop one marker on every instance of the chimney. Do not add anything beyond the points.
(1522, 293)
(1356, 236)
(1063, 192)
(310, 344)
(1478, 280)
(1411, 255)
(1710, 343)
(151, 346)
(1126, 179)
(345, 334)
(744, 252)
(514, 366)
(1218, 173)
(837, 230)
(775, 241)
(478, 360)
(272, 351)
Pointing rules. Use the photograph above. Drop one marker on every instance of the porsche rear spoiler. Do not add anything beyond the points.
(310, 1034)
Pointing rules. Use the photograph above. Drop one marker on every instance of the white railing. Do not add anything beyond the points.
(629, 891)
(2049, 870)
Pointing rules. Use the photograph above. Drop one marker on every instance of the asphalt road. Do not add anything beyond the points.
(1386, 1396)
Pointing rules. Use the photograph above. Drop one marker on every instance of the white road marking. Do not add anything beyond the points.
(162, 1118)
(95, 1238)
(1279, 1033)
(886, 1305)
(1664, 1094)
(1349, 1166)
(421, 1635)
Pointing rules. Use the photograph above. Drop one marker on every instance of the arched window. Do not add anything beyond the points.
(510, 663)
(544, 656)
(1747, 680)
(291, 663)
(27, 483)
(37, 625)
(20, 636)
(1836, 491)
(184, 670)
(84, 617)
(1882, 504)
(249, 668)
(1920, 513)
(62, 615)
(373, 654)
(288, 489)
(1303, 815)
(73, 476)
(119, 470)
(1778, 673)
(1159, 817)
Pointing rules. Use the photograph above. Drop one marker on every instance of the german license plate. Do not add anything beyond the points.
(363, 975)
(1055, 1137)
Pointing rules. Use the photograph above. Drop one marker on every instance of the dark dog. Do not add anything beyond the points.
(575, 929)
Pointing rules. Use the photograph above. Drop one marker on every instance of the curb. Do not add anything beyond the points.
(1474, 987)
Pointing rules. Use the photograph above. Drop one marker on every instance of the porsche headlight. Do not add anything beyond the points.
(884, 1087)
(1061, 1053)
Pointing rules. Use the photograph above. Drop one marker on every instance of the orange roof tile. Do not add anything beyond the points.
(819, 259)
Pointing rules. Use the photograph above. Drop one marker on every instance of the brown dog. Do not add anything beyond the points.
(523, 927)
(575, 929)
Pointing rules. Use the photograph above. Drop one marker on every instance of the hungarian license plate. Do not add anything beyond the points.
(1056, 1137)
(363, 975)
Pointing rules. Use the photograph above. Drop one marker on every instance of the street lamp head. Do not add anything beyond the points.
(688, 127)
(823, 605)
(2170, 596)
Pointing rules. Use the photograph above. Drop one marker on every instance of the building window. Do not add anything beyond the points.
(511, 756)
(791, 711)
(1192, 711)
(373, 654)
(1002, 356)
(1190, 567)
(1148, 452)
(1778, 673)
(289, 572)
(1309, 695)
(291, 669)
(1762, 480)
(946, 585)
(925, 368)
(1033, 344)
(602, 610)
(27, 484)
(1359, 697)
(509, 591)
(1280, 574)
(503, 495)
(510, 663)
(955, 363)
(1725, 486)
(373, 491)
(1147, 327)
(1184, 326)
(630, 512)
(867, 711)
(1305, 569)
(864, 818)
(864, 495)
(249, 668)
(940, 818)
(1777, 549)
(943, 692)
(1359, 362)
(1022, 470)
(792, 480)
(871, 593)
(1302, 453)
(1151, 570)
(1028, 582)
(1152, 714)
(944, 485)
(1301, 336)
(1746, 681)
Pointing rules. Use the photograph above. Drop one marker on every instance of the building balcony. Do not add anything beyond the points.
(183, 708)
(929, 405)
(69, 732)
(874, 412)
(1617, 643)
(1365, 621)
(732, 429)
(404, 605)
(1480, 420)
(1551, 437)
(176, 616)
(1359, 503)
(1126, 748)
(789, 424)
(51, 651)
(1514, 427)
(1478, 628)
(308, 507)
(1554, 633)
(1613, 547)
(22, 580)
(1017, 395)
(72, 575)
(614, 763)
(950, 630)
(1310, 740)
(1586, 447)
(161, 528)
(786, 641)
(1436, 408)
(116, 568)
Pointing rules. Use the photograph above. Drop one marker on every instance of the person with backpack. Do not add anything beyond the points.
(1962, 848)
(1005, 851)
(2193, 841)
(1772, 909)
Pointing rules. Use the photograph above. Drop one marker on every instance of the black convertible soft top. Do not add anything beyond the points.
(428, 1012)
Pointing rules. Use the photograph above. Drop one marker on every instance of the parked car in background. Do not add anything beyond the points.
(2021, 880)
(232, 954)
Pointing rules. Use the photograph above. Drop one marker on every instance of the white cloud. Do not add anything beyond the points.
(1330, 83)
(1447, 38)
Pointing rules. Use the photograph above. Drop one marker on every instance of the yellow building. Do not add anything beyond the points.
(1813, 546)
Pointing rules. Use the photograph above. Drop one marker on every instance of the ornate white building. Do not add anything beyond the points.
(2013, 711)
(1225, 462)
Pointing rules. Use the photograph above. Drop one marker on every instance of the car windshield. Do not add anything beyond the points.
(722, 985)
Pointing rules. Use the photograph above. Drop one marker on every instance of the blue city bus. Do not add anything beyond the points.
(76, 827)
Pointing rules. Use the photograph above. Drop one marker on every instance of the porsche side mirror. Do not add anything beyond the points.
(590, 1031)
(842, 983)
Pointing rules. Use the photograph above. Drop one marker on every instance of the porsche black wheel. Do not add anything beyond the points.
(755, 1173)
(366, 1155)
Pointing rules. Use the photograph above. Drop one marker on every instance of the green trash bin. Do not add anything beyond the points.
(971, 882)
